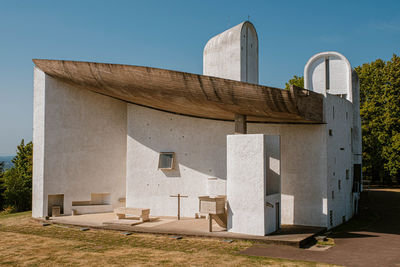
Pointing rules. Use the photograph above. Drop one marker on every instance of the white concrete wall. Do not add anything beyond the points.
(248, 171)
(303, 171)
(79, 144)
(80, 148)
(39, 80)
(342, 115)
(339, 118)
(200, 148)
(233, 54)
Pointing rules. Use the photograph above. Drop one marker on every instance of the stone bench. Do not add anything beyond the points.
(142, 214)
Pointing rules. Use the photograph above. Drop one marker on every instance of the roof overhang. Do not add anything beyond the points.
(189, 94)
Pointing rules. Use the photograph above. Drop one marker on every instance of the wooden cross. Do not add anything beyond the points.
(179, 204)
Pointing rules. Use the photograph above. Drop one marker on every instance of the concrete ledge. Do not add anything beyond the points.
(295, 236)
(87, 209)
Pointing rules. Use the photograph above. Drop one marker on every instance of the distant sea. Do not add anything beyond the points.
(7, 161)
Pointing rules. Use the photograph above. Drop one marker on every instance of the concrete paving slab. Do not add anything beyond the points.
(291, 235)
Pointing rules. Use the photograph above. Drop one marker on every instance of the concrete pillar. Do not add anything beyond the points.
(251, 207)
(240, 124)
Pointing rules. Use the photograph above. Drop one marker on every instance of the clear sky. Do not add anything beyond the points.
(172, 34)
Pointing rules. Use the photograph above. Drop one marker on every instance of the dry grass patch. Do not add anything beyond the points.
(25, 242)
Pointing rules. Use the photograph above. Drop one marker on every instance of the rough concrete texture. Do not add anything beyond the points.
(200, 150)
(248, 172)
(151, 131)
(233, 54)
(80, 144)
(330, 73)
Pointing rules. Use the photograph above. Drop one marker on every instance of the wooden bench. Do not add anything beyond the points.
(142, 214)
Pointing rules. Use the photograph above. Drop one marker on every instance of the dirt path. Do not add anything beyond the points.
(371, 239)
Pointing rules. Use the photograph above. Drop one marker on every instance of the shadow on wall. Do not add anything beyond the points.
(175, 172)
(199, 144)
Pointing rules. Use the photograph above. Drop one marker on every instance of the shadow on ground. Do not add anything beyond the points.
(371, 238)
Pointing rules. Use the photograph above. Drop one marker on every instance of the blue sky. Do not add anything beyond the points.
(172, 34)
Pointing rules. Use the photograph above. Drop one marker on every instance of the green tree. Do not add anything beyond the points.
(2, 200)
(380, 114)
(18, 179)
(296, 80)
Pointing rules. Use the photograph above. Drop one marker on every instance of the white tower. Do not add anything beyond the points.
(233, 54)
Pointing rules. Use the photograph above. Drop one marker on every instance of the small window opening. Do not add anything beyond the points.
(347, 174)
(333, 112)
(166, 161)
(351, 139)
(331, 217)
(339, 184)
(343, 218)
(333, 194)
(330, 132)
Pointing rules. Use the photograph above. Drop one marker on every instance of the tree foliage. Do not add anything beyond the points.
(296, 80)
(380, 114)
(17, 181)
(2, 200)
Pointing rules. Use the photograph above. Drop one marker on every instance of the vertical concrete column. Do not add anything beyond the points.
(38, 198)
(240, 124)
(245, 183)
(253, 163)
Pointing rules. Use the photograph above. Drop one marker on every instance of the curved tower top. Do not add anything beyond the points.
(329, 72)
(233, 54)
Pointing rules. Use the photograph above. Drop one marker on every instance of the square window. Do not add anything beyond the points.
(166, 161)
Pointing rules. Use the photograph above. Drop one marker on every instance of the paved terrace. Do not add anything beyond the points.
(297, 236)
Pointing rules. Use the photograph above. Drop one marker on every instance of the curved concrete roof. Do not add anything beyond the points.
(189, 94)
(228, 35)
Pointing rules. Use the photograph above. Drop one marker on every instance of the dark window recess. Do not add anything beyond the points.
(347, 174)
(333, 112)
(327, 73)
(357, 178)
(331, 217)
(166, 161)
(343, 219)
(342, 148)
(330, 132)
(339, 184)
(333, 194)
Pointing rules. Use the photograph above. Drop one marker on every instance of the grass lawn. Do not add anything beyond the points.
(26, 242)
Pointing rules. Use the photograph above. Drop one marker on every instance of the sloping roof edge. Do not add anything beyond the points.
(189, 94)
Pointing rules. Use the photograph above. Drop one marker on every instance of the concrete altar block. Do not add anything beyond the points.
(212, 205)
(248, 171)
